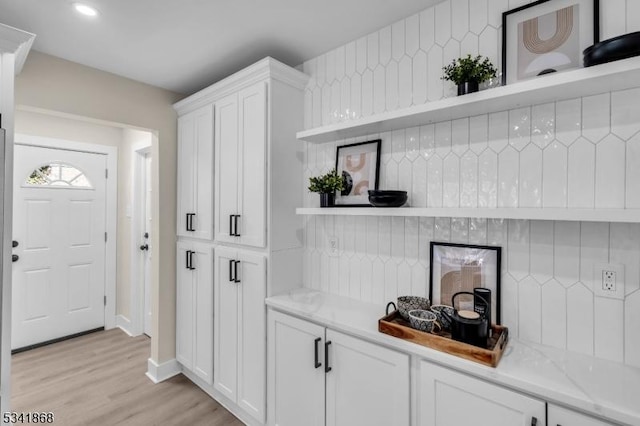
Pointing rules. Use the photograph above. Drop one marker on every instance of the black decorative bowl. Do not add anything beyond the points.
(379, 198)
(613, 49)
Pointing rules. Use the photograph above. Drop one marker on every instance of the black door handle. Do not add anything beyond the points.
(235, 271)
(235, 228)
(231, 262)
(14, 258)
(191, 261)
(14, 244)
(534, 421)
(144, 247)
(316, 364)
(326, 357)
(231, 232)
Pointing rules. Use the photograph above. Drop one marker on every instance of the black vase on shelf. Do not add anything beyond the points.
(327, 200)
(468, 87)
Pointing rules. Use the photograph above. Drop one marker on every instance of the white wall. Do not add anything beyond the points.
(577, 153)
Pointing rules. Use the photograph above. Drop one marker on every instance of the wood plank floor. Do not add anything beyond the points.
(99, 379)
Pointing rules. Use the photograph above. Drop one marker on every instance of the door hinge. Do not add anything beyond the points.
(106, 173)
(105, 237)
(105, 301)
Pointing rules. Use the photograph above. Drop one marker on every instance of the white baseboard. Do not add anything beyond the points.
(160, 372)
(124, 324)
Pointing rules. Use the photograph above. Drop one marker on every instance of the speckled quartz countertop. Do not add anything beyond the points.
(601, 388)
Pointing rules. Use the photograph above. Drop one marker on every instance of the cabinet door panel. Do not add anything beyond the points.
(252, 164)
(559, 416)
(203, 304)
(448, 398)
(186, 174)
(367, 384)
(226, 325)
(203, 190)
(252, 335)
(226, 170)
(184, 309)
(296, 387)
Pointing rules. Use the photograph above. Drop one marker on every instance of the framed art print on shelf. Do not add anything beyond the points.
(547, 36)
(463, 267)
(359, 164)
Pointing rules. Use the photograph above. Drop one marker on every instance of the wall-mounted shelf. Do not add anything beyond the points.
(613, 76)
(577, 215)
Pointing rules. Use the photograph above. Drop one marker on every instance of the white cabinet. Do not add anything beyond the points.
(448, 398)
(241, 161)
(194, 309)
(319, 376)
(558, 416)
(195, 174)
(240, 331)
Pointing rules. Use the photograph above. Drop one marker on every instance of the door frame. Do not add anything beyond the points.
(139, 151)
(111, 207)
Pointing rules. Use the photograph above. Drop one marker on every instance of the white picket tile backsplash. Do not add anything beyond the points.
(577, 153)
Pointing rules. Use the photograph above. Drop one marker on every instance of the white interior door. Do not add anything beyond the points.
(59, 224)
(147, 241)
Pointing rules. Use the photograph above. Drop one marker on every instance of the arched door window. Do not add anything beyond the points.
(58, 175)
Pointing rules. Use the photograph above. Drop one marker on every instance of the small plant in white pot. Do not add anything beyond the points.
(326, 186)
(469, 72)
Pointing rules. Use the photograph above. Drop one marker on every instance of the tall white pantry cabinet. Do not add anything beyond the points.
(239, 239)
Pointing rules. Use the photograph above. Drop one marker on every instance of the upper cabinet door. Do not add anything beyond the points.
(202, 221)
(448, 398)
(252, 165)
(226, 170)
(186, 172)
(367, 384)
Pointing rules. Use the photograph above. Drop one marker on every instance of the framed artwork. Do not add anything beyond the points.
(462, 267)
(359, 164)
(547, 36)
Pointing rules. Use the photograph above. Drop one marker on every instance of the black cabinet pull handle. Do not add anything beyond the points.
(316, 364)
(187, 260)
(191, 261)
(326, 357)
(534, 421)
(187, 222)
(235, 271)
(14, 257)
(231, 262)
(236, 233)
(191, 228)
(231, 225)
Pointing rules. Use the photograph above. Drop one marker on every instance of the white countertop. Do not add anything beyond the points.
(598, 387)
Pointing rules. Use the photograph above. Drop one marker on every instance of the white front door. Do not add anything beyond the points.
(147, 241)
(59, 224)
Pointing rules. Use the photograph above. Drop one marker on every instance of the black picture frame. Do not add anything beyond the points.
(496, 295)
(505, 16)
(378, 143)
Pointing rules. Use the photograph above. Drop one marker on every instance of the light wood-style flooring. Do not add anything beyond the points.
(99, 379)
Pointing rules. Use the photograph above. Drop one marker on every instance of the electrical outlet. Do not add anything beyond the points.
(333, 246)
(608, 281)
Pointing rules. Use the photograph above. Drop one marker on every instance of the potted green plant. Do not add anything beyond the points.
(326, 186)
(469, 72)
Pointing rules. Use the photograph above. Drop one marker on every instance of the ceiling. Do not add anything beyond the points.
(185, 45)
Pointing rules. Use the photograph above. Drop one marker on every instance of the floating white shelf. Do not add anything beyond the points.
(603, 78)
(581, 215)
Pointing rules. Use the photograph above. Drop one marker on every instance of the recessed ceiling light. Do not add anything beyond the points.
(85, 10)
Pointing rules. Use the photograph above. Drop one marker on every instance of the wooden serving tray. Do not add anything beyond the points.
(394, 325)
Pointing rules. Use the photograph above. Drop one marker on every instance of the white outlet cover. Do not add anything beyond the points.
(598, 272)
(334, 247)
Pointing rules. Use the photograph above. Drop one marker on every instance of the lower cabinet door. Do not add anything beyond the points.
(559, 416)
(226, 323)
(296, 380)
(252, 334)
(448, 398)
(184, 307)
(367, 384)
(202, 302)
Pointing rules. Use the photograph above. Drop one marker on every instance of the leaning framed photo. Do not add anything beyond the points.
(547, 36)
(359, 164)
(463, 267)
